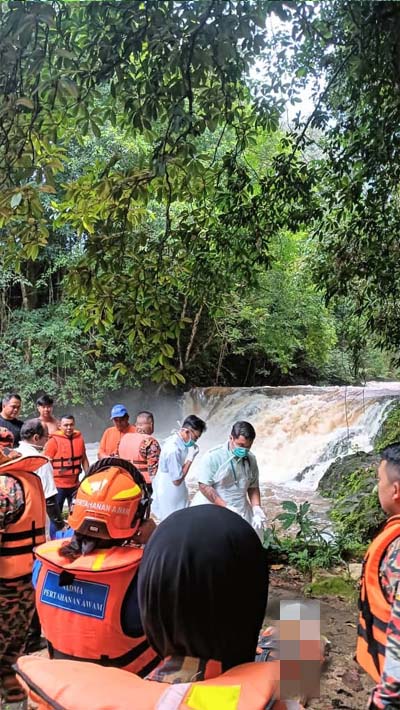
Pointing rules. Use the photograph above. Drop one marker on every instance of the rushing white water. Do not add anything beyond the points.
(300, 430)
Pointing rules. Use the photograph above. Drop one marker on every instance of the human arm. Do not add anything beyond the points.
(150, 450)
(254, 496)
(211, 494)
(85, 462)
(191, 455)
(102, 452)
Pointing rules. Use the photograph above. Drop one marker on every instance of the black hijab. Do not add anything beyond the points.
(203, 586)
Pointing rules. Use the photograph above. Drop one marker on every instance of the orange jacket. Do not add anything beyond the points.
(373, 605)
(129, 449)
(77, 686)
(79, 604)
(19, 538)
(111, 439)
(66, 454)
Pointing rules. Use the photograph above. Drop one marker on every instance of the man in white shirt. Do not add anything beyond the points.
(177, 455)
(229, 477)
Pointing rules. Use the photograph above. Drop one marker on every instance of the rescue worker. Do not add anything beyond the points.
(203, 589)
(229, 477)
(177, 455)
(378, 642)
(141, 448)
(22, 526)
(34, 436)
(67, 452)
(11, 407)
(45, 405)
(86, 587)
(111, 439)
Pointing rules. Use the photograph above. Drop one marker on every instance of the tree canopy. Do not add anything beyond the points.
(148, 182)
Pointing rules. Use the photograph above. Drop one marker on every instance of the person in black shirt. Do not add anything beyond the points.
(11, 407)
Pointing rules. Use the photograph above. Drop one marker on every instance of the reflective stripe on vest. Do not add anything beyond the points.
(19, 538)
(373, 605)
(67, 684)
(79, 604)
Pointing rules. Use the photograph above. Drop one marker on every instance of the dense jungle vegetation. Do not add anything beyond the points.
(160, 219)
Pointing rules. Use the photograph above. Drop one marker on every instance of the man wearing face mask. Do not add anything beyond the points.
(229, 477)
(177, 455)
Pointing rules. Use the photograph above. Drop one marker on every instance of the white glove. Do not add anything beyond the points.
(192, 453)
(259, 521)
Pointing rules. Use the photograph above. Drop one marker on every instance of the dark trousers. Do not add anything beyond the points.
(65, 494)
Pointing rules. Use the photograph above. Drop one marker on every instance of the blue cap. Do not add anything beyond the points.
(118, 410)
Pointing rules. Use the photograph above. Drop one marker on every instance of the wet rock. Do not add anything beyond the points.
(355, 570)
(352, 679)
(340, 469)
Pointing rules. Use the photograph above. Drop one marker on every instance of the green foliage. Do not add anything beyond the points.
(349, 54)
(41, 351)
(311, 547)
(356, 512)
(390, 431)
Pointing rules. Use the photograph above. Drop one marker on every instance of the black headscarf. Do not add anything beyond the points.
(203, 586)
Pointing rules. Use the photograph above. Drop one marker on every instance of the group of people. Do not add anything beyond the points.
(169, 615)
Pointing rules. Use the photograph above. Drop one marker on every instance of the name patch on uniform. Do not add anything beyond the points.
(86, 598)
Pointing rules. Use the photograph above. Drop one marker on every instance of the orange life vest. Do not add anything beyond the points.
(129, 449)
(19, 538)
(67, 463)
(63, 685)
(373, 605)
(79, 604)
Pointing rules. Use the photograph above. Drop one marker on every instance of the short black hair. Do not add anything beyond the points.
(193, 422)
(67, 416)
(244, 429)
(146, 414)
(32, 427)
(391, 454)
(44, 399)
(10, 395)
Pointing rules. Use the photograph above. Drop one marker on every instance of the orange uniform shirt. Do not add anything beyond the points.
(109, 442)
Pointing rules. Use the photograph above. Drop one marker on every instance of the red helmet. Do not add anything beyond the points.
(110, 502)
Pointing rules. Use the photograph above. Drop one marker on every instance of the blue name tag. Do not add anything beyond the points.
(86, 598)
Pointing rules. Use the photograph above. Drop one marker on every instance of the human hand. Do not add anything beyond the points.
(259, 518)
(192, 453)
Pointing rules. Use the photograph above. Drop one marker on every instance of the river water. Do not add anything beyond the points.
(300, 430)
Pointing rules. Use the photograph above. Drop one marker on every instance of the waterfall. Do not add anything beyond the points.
(300, 430)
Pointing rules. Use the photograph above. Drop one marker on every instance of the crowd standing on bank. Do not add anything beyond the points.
(154, 620)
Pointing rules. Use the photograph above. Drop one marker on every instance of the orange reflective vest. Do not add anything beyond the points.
(63, 685)
(19, 538)
(79, 604)
(373, 605)
(129, 449)
(67, 462)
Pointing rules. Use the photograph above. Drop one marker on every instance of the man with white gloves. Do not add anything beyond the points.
(178, 452)
(229, 477)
